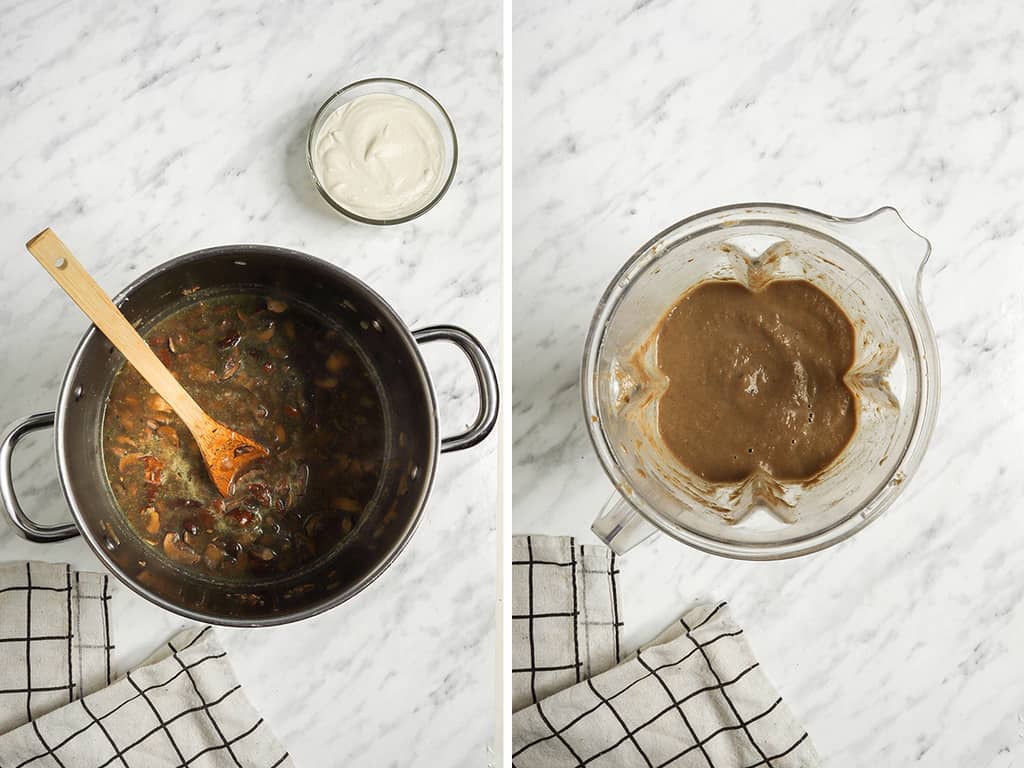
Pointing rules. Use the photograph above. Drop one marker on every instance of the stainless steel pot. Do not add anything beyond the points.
(412, 445)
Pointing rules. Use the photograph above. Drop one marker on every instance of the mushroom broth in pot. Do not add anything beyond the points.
(302, 356)
(278, 372)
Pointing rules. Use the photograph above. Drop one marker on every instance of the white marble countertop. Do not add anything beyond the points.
(901, 645)
(143, 131)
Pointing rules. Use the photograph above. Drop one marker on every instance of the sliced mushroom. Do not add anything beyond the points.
(127, 460)
(179, 551)
(261, 552)
(267, 332)
(157, 403)
(276, 305)
(127, 422)
(336, 361)
(279, 434)
(198, 372)
(212, 555)
(151, 520)
(169, 434)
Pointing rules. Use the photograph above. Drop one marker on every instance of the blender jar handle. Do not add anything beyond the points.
(486, 382)
(23, 524)
(620, 526)
(900, 251)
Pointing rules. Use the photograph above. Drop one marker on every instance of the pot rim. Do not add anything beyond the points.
(66, 397)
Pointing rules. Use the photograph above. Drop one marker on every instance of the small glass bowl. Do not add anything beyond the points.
(395, 87)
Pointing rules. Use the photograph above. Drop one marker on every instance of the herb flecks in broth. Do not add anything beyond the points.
(284, 377)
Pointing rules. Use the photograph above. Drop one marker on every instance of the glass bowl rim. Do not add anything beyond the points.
(447, 126)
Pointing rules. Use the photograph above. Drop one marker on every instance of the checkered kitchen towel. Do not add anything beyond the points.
(54, 638)
(565, 615)
(182, 707)
(694, 697)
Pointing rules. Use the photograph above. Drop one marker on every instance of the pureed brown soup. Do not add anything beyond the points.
(279, 374)
(756, 380)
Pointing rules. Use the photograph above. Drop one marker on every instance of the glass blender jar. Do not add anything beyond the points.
(871, 267)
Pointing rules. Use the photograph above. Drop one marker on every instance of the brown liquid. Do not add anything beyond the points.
(280, 374)
(756, 380)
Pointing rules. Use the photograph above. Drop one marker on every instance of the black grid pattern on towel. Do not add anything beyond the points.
(44, 629)
(557, 578)
(661, 712)
(138, 725)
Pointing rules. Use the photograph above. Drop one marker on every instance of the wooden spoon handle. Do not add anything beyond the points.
(56, 259)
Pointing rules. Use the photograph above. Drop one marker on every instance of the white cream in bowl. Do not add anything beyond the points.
(380, 156)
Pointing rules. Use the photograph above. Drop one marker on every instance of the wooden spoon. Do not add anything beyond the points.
(227, 454)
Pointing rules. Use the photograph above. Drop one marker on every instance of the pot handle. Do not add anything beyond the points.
(23, 524)
(486, 381)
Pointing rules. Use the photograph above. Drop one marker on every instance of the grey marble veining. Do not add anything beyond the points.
(143, 131)
(900, 646)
